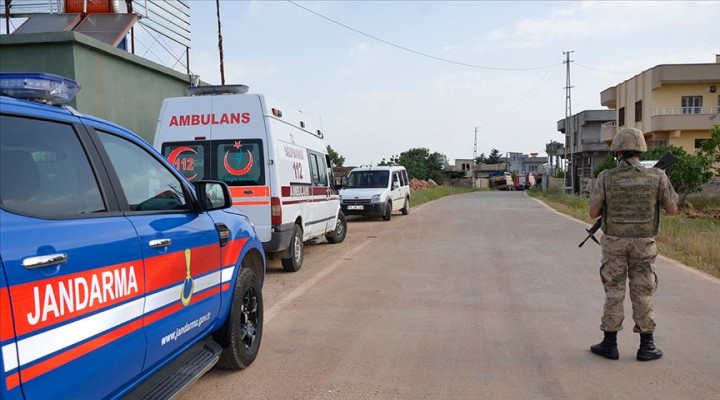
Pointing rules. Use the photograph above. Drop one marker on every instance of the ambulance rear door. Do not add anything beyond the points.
(239, 156)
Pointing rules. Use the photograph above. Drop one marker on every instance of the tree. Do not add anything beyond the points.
(480, 159)
(608, 163)
(494, 157)
(688, 174)
(335, 158)
(710, 149)
(420, 163)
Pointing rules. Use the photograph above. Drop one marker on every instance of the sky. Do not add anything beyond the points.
(387, 76)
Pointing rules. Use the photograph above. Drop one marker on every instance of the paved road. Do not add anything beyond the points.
(484, 295)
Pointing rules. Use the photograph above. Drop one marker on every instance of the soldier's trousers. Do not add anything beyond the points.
(630, 259)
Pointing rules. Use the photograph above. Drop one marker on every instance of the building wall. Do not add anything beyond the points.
(669, 96)
(116, 85)
(661, 89)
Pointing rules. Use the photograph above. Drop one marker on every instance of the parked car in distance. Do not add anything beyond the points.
(376, 191)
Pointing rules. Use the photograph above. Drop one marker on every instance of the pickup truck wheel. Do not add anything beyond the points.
(338, 235)
(297, 248)
(388, 212)
(406, 210)
(243, 330)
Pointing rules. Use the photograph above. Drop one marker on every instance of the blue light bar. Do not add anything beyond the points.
(38, 86)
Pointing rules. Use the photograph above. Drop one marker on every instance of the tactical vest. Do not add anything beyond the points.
(631, 201)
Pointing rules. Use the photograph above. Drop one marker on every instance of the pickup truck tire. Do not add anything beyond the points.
(406, 209)
(297, 250)
(388, 212)
(243, 331)
(338, 235)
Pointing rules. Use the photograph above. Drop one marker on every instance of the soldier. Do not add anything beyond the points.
(628, 198)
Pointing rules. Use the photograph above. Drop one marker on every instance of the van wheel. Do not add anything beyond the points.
(297, 247)
(243, 331)
(406, 210)
(388, 212)
(338, 235)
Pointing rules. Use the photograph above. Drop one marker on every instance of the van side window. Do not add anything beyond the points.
(45, 171)
(318, 170)
(396, 178)
(239, 162)
(405, 179)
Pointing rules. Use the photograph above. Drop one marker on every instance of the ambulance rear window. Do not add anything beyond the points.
(239, 162)
(188, 158)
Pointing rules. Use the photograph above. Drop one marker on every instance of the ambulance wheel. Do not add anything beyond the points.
(338, 235)
(243, 331)
(406, 210)
(294, 262)
(388, 212)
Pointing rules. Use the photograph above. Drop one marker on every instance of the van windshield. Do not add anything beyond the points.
(368, 179)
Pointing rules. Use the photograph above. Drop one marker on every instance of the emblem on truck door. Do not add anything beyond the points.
(187, 288)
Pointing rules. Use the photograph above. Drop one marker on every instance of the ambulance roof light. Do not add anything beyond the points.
(38, 86)
(218, 89)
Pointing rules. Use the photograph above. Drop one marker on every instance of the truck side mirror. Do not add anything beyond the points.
(213, 195)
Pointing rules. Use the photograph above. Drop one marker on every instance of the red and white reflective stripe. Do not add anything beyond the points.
(46, 343)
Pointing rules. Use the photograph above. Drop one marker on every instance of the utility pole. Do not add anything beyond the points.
(474, 162)
(475, 148)
(222, 67)
(570, 166)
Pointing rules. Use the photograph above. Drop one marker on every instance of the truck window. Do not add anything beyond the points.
(239, 162)
(188, 158)
(44, 170)
(147, 184)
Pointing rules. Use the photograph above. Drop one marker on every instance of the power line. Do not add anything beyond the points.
(415, 51)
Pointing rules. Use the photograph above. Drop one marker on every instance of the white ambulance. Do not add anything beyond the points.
(273, 158)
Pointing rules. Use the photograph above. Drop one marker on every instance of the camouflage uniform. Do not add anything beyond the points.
(630, 196)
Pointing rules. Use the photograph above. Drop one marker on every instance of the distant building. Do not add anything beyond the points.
(520, 164)
(584, 148)
(673, 104)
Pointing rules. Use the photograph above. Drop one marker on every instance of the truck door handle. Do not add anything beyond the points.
(160, 243)
(248, 191)
(44, 261)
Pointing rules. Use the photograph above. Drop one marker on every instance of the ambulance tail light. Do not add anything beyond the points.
(275, 211)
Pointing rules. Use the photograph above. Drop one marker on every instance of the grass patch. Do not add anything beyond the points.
(689, 238)
(426, 195)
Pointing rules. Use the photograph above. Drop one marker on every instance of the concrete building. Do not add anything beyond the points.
(673, 104)
(116, 85)
(585, 148)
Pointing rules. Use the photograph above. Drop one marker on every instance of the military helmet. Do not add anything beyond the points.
(629, 139)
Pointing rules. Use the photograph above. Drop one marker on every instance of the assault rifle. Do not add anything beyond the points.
(667, 160)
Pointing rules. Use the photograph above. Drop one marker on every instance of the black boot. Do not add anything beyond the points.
(647, 350)
(608, 347)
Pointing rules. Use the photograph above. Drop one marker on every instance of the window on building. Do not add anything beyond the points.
(654, 144)
(621, 116)
(698, 143)
(691, 104)
(638, 111)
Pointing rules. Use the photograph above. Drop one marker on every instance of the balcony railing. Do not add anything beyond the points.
(609, 124)
(685, 110)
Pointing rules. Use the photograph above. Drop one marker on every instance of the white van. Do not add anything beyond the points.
(273, 157)
(376, 191)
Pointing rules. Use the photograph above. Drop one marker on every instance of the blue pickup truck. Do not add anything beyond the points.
(119, 278)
